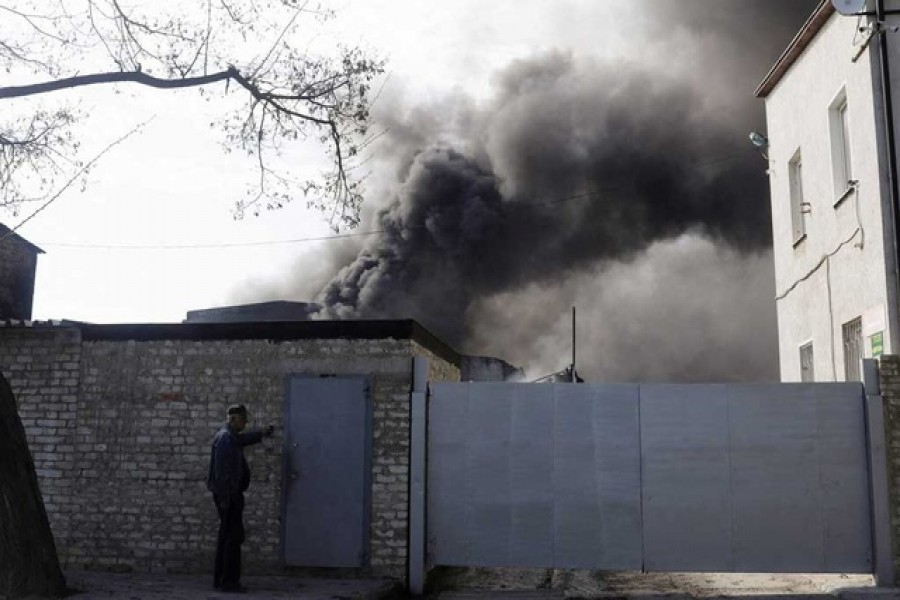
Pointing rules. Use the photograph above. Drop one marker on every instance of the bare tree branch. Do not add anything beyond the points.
(292, 95)
(81, 172)
(114, 77)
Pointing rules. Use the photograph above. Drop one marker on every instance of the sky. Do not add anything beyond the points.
(587, 153)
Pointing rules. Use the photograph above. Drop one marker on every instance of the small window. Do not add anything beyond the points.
(798, 206)
(807, 372)
(853, 348)
(841, 158)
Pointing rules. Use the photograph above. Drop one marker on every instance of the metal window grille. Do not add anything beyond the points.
(807, 372)
(852, 334)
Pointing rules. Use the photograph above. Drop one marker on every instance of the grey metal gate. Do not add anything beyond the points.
(327, 472)
(534, 475)
(748, 478)
(755, 478)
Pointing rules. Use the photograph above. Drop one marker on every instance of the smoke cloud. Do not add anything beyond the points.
(685, 310)
(626, 187)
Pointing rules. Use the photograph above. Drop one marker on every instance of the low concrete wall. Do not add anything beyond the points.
(120, 433)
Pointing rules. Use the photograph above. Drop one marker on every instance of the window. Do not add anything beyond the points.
(807, 372)
(798, 207)
(841, 159)
(853, 349)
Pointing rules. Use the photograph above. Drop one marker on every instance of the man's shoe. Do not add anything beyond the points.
(234, 589)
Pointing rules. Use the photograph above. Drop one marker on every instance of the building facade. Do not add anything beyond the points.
(832, 217)
(18, 263)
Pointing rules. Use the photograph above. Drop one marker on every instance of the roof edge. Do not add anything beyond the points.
(271, 330)
(434, 344)
(7, 232)
(810, 28)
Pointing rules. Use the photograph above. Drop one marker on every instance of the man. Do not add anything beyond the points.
(228, 479)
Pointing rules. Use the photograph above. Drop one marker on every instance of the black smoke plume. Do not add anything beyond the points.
(575, 170)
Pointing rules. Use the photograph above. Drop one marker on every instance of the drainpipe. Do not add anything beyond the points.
(887, 98)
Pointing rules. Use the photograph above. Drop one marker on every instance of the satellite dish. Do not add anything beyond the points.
(849, 7)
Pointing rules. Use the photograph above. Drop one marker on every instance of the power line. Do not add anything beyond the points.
(336, 236)
(211, 245)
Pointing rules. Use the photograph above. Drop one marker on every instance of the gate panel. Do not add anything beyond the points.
(755, 478)
(684, 454)
(327, 472)
(597, 477)
(534, 475)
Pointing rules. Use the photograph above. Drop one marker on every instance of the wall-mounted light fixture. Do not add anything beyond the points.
(761, 142)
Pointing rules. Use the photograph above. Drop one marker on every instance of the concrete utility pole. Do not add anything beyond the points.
(887, 99)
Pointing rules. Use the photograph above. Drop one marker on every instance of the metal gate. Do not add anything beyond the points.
(327, 472)
(744, 478)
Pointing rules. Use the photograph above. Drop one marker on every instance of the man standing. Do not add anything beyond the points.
(228, 479)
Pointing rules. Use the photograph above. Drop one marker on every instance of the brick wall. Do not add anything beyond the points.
(43, 368)
(17, 266)
(438, 368)
(120, 433)
(889, 373)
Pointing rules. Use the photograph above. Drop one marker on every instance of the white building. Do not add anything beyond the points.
(831, 191)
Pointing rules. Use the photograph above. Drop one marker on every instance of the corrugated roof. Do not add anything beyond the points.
(787, 59)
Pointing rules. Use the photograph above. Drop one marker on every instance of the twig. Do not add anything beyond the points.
(75, 177)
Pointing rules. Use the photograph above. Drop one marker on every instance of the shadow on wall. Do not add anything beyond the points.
(27, 549)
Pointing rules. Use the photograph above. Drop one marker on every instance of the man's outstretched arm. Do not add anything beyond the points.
(255, 437)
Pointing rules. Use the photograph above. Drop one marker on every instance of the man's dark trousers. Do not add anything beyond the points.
(231, 536)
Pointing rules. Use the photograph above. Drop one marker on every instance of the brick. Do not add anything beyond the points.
(134, 419)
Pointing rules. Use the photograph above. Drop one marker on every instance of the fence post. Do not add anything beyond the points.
(878, 478)
(417, 448)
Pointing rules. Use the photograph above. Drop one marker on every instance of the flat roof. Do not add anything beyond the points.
(401, 329)
(275, 310)
(803, 38)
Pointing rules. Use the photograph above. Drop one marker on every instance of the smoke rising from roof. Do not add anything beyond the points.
(685, 310)
(578, 179)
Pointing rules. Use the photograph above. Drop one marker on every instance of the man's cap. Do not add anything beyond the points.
(237, 409)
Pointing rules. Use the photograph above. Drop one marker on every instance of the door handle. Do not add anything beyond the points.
(294, 475)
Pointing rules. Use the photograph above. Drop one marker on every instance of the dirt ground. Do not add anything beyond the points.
(585, 584)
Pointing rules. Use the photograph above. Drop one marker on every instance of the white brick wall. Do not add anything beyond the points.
(120, 434)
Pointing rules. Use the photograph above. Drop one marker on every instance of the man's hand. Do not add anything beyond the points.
(270, 431)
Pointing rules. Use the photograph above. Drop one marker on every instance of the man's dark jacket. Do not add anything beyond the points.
(229, 473)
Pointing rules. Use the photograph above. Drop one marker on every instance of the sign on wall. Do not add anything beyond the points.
(877, 344)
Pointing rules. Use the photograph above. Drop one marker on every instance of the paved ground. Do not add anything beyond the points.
(115, 586)
(549, 584)
(495, 584)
